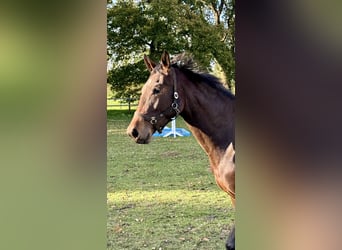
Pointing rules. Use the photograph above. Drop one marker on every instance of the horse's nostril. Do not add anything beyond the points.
(135, 133)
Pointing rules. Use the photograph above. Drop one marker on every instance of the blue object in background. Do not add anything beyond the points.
(166, 132)
(173, 131)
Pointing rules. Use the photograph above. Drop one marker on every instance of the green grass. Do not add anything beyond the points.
(162, 195)
(117, 105)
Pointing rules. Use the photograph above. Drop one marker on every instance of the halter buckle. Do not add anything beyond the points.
(174, 106)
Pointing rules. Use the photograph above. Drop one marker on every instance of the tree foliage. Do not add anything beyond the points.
(205, 28)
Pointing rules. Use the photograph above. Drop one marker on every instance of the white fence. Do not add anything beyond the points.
(122, 103)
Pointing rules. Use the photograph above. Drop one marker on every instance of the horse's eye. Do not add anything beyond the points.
(156, 91)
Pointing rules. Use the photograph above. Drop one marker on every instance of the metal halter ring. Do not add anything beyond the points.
(174, 105)
(175, 95)
(153, 120)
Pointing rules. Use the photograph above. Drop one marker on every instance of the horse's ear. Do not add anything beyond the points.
(165, 60)
(149, 63)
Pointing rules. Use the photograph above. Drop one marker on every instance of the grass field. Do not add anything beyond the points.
(162, 195)
(117, 105)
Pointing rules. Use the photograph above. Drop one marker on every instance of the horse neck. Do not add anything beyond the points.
(209, 114)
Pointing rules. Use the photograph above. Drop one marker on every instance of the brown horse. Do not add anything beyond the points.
(175, 88)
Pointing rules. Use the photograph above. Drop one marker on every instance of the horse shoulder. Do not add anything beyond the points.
(226, 172)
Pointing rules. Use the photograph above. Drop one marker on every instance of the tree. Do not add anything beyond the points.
(204, 28)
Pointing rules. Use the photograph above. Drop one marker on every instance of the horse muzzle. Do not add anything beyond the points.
(139, 130)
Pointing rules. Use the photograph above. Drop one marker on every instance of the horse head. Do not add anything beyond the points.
(159, 101)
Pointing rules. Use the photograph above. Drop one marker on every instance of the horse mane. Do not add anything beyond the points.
(186, 64)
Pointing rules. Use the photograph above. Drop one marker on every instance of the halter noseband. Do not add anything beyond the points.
(172, 111)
